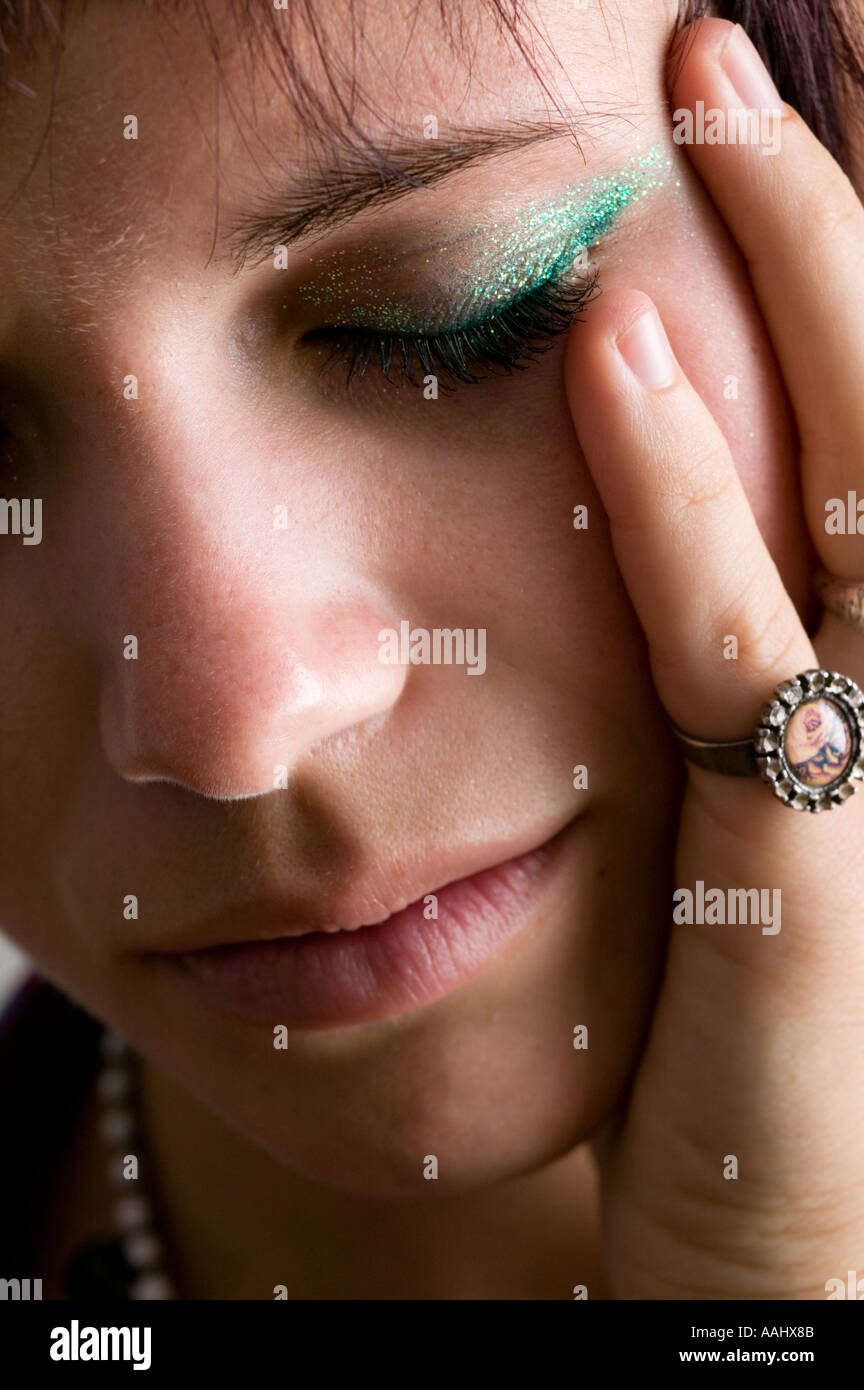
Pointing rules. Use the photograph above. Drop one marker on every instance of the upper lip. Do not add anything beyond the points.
(362, 902)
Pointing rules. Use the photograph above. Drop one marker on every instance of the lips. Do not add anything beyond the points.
(264, 968)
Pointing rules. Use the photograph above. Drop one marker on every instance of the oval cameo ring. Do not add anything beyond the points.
(808, 745)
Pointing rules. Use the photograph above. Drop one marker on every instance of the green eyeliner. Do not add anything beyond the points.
(489, 267)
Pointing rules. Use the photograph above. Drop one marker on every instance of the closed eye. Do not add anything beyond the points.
(506, 341)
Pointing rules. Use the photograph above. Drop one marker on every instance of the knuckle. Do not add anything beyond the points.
(835, 210)
(702, 481)
(766, 632)
(828, 200)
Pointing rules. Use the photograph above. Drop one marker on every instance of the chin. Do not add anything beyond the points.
(454, 1144)
(471, 1099)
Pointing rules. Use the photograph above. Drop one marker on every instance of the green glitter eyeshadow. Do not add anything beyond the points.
(486, 268)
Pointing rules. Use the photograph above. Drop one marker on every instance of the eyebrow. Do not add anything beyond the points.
(338, 193)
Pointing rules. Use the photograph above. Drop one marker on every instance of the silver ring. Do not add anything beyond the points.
(808, 745)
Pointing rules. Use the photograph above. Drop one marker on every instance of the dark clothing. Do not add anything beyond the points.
(49, 1057)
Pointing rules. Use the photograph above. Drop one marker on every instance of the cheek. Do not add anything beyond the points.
(512, 472)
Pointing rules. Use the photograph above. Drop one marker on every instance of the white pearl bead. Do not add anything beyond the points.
(132, 1212)
(111, 1045)
(116, 1125)
(151, 1286)
(113, 1083)
(142, 1249)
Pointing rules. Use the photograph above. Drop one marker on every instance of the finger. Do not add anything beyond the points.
(800, 225)
(686, 542)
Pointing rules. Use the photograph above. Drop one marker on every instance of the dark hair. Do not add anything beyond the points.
(813, 48)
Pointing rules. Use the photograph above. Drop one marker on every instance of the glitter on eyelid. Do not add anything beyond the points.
(487, 268)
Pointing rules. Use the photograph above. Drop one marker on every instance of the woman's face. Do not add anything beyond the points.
(254, 522)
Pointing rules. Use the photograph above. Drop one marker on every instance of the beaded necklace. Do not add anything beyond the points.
(131, 1264)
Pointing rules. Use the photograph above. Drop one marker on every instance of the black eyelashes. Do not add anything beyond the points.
(505, 342)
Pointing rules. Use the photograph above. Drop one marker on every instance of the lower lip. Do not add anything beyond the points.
(326, 980)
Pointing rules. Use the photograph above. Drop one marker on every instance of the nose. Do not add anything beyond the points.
(227, 701)
(233, 644)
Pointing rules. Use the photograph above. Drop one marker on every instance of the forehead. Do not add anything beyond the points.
(223, 111)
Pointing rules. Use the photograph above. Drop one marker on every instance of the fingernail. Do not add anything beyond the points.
(645, 348)
(741, 63)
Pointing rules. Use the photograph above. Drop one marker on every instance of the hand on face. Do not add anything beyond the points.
(734, 1170)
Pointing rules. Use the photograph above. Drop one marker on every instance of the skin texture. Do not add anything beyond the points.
(769, 1028)
(155, 777)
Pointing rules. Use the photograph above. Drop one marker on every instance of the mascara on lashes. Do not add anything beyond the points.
(514, 257)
